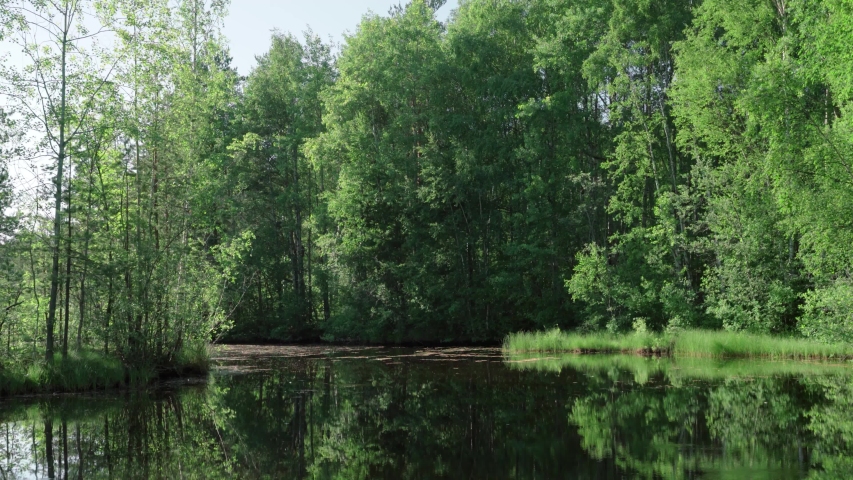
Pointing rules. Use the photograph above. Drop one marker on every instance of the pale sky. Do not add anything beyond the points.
(250, 22)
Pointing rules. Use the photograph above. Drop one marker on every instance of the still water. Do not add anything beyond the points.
(352, 413)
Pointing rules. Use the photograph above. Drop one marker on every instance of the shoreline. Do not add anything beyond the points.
(669, 354)
(684, 344)
(86, 372)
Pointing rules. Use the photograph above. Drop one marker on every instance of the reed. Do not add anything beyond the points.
(643, 368)
(685, 343)
(559, 341)
(745, 345)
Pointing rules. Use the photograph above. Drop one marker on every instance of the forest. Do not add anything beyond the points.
(591, 165)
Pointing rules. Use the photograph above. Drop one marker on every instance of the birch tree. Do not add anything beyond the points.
(55, 90)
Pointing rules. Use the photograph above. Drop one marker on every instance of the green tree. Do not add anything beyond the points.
(648, 242)
(56, 92)
(752, 278)
(378, 120)
(276, 192)
(11, 281)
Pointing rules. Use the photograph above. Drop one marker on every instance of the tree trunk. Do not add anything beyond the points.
(57, 211)
(48, 445)
(67, 274)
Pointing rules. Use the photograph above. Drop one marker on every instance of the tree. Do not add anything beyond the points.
(55, 91)
(134, 127)
(648, 248)
(275, 190)
(751, 284)
(379, 127)
(11, 284)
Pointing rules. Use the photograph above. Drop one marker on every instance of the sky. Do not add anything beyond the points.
(250, 22)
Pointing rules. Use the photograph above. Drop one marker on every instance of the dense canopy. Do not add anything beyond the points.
(589, 164)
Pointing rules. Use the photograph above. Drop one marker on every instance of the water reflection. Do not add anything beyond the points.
(379, 413)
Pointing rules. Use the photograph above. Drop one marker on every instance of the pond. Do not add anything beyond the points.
(351, 413)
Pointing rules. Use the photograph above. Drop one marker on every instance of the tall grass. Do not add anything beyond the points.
(685, 343)
(642, 368)
(558, 341)
(90, 370)
(734, 344)
(81, 371)
(194, 359)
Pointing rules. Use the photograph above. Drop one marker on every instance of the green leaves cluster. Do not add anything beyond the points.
(542, 163)
(528, 164)
(111, 252)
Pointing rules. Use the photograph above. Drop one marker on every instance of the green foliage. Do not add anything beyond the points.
(121, 263)
(601, 165)
(593, 283)
(280, 286)
(827, 313)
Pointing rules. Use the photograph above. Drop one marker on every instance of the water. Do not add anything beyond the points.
(350, 413)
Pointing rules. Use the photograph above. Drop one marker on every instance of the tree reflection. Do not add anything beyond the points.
(775, 427)
(328, 418)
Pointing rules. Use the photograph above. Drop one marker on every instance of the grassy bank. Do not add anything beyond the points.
(686, 343)
(90, 371)
(643, 368)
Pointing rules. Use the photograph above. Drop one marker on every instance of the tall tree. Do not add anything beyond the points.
(275, 189)
(652, 272)
(752, 278)
(379, 125)
(55, 90)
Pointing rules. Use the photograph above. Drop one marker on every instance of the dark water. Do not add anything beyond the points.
(294, 412)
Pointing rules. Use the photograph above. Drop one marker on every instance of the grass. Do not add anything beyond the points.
(642, 368)
(685, 343)
(81, 371)
(194, 360)
(558, 341)
(745, 345)
(89, 371)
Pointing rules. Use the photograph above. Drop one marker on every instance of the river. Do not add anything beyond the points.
(472, 413)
